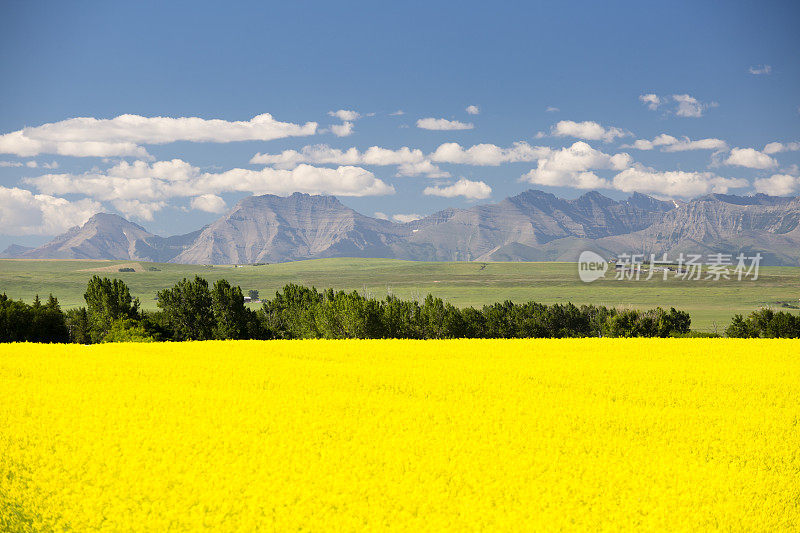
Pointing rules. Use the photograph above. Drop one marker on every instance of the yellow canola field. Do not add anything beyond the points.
(587, 434)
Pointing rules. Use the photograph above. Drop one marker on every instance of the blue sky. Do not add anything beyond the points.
(673, 99)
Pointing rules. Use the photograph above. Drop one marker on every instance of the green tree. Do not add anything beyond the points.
(187, 310)
(290, 315)
(77, 322)
(230, 314)
(127, 330)
(106, 301)
(401, 318)
(48, 322)
(16, 318)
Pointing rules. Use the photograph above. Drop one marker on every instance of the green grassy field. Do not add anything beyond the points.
(711, 303)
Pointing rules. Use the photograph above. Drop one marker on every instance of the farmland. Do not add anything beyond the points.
(587, 434)
(711, 303)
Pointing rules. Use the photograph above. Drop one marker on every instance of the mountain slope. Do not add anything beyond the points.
(269, 228)
(722, 223)
(109, 236)
(519, 227)
(531, 226)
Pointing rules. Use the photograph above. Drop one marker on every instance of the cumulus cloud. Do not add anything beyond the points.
(469, 189)
(381, 216)
(342, 130)
(750, 158)
(673, 183)
(140, 187)
(123, 135)
(25, 213)
(685, 104)
(552, 109)
(488, 154)
(572, 167)
(651, 100)
(139, 209)
(397, 113)
(588, 130)
(760, 69)
(473, 109)
(29, 164)
(668, 143)
(442, 124)
(425, 168)
(404, 219)
(775, 148)
(411, 162)
(210, 203)
(345, 115)
(689, 106)
(778, 185)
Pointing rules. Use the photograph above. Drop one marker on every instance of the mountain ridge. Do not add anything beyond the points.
(531, 226)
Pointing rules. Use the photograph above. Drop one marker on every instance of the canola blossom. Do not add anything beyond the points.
(583, 434)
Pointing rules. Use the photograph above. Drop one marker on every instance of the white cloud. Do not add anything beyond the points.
(463, 187)
(775, 148)
(571, 167)
(341, 181)
(673, 183)
(404, 219)
(342, 130)
(442, 124)
(138, 209)
(10, 164)
(588, 130)
(652, 101)
(397, 113)
(381, 216)
(210, 203)
(778, 185)
(473, 109)
(422, 168)
(689, 106)
(411, 162)
(686, 144)
(141, 188)
(750, 158)
(122, 136)
(488, 154)
(552, 109)
(345, 115)
(25, 213)
(672, 144)
(19, 144)
(686, 105)
(760, 69)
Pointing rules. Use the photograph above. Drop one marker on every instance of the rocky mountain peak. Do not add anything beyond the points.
(533, 225)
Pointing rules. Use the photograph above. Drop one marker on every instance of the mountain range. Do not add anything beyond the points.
(531, 226)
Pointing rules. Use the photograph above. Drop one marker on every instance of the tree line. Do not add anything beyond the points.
(765, 323)
(194, 310)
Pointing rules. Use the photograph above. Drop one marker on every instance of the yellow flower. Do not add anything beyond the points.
(583, 434)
